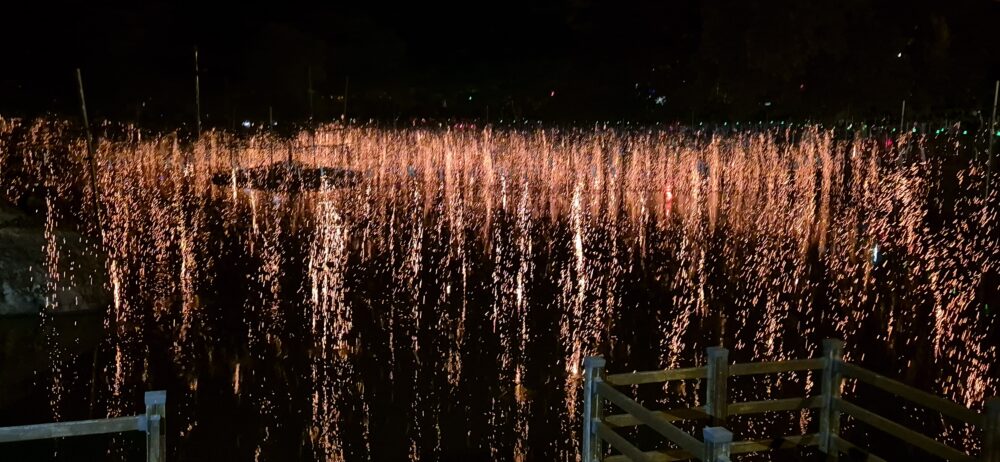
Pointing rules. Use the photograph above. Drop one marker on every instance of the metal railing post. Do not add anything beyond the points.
(991, 431)
(593, 370)
(829, 420)
(716, 392)
(156, 440)
(718, 444)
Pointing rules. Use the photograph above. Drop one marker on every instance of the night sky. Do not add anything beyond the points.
(554, 60)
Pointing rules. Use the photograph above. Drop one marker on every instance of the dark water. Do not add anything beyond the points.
(398, 328)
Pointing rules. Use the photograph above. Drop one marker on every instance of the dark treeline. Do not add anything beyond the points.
(553, 60)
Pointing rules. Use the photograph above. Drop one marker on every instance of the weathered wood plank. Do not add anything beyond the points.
(647, 417)
(698, 413)
(669, 455)
(74, 428)
(739, 447)
(620, 443)
(717, 385)
(773, 367)
(831, 383)
(673, 415)
(775, 405)
(991, 431)
(666, 375)
(923, 398)
(919, 440)
(744, 447)
(850, 449)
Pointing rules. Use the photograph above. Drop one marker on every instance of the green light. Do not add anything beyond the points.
(998, 133)
(965, 132)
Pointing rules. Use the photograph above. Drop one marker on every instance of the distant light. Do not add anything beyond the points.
(767, 103)
(470, 97)
(965, 132)
(875, 254)
(552, 93)
(661, 100)
(246, 124)
(998, 133)
(914, 129)
(899, 55)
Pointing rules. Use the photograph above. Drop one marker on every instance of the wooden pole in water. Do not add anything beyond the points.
(90, 154)
(992, 134)
(902, 117)
(347, 82)
(197, 95)
(270, 129)
(309, 76)
(96, 204)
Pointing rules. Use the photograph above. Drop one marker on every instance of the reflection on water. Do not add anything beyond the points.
(440, 305)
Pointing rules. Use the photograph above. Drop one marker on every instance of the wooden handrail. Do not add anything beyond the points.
(917, 439)
(900, 389)
(665, 375)
(772, 367)
(647, 417)
(698, 413)
(716, 409)
(775, 405)
(151, 423)
(687, 373)
(74, 428)
(673, 415)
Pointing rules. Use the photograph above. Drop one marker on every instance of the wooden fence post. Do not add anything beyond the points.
(156, 440)
(593, 371)
(718, 444)
(716, 393)
(829, 420)
(991, 431)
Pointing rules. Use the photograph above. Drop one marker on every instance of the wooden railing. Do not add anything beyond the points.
(717, 442)
(152, 423)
